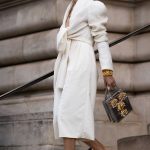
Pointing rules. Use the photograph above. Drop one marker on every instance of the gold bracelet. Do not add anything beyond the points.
(107, 72)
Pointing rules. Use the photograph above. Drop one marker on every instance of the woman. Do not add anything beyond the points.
(75, 72)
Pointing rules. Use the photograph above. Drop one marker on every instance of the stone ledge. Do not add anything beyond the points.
(38, 106)
(128, 76)
(6, 4)
(134, 143)
(40, 132)
(27, 117)
(32, 147)
(28, 48)
(42, 45)
(19, 20)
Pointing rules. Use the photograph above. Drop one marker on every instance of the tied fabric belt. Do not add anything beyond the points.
(63, 46)
(62, 40)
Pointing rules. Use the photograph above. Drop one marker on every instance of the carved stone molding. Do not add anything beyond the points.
(10, 3)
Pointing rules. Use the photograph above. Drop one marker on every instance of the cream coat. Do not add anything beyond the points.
(75, 72)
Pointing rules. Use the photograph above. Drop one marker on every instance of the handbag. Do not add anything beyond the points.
(116, 104)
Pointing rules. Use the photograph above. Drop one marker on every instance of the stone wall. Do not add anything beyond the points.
(28, 51)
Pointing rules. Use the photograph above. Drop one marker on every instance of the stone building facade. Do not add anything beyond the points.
(28, 50)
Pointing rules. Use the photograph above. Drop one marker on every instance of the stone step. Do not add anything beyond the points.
(134, 143)
(39, 132)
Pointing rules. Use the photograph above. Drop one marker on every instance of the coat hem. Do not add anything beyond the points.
(77, 137)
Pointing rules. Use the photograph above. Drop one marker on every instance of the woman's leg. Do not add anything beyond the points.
(69, 143)
(96, 145)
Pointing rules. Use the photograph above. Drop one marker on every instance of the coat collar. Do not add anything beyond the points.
(80, 4)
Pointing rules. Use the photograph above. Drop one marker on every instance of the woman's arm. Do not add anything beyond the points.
(106, 64)
(97, 20)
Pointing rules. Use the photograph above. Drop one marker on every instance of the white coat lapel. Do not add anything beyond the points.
(67, 13)
(61, 35)
(80, 4)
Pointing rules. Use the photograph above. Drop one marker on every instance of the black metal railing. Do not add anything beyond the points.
(35, 81)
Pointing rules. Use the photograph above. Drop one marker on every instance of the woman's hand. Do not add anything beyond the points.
(109, 81)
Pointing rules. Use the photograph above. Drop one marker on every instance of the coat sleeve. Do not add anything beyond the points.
(97, 20)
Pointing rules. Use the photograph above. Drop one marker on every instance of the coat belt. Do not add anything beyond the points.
(63, 46)
(63, 66)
